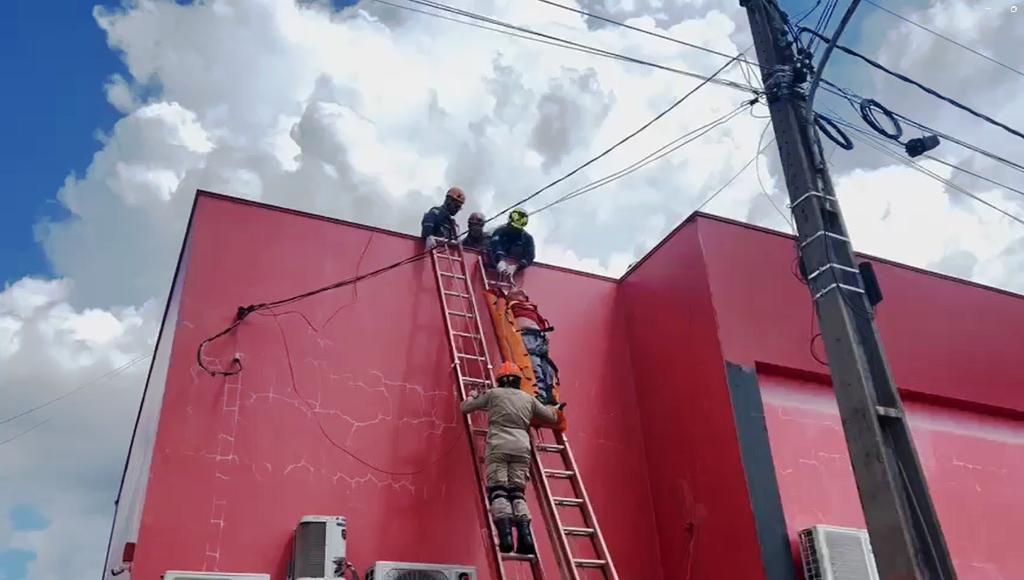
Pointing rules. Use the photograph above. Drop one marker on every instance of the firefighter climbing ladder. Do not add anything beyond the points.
(579, 545)
(472, 371)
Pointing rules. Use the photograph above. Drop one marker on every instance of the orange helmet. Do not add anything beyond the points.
(507, 369)
(456, 194)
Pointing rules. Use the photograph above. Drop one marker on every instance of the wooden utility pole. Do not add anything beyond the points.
(905, 533)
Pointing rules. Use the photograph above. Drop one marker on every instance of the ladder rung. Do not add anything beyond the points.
(459, 294)
(478, 381)
(550, 447)
(578, 531)
(567, 501)
(457, 313)
(447, 257)
(518, 557)
(479, 431)
(460, 277)
(465, 334)
(589, 563)
(559, 473)
(472, 356)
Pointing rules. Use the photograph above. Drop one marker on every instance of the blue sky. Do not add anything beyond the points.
(14, 562)
(56, 60)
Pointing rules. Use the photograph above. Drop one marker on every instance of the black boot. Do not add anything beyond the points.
(504, 526)
(524, 545)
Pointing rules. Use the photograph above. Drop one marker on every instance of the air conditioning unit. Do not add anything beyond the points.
(831, 553)
(179, 575)
(407, 571)
(319, 548)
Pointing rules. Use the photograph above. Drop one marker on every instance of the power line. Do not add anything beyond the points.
(870, 142)
(106, 375)
(25, 432)
(645, 31)
(734, 177)
(944, 37)
(664, 150)
(620, 142)
(919, 85)
(764, 190)
(563, 42)
(244, 312)
(854, 99)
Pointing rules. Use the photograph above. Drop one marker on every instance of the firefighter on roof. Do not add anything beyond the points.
(439, 221)
(476, 238)
(533, 329)
(511, 247)
(507, 455)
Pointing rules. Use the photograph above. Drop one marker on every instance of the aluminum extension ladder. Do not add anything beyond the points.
(557, 486)
(473, 371)
(580, 548)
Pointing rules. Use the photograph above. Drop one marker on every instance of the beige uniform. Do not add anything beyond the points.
(509, 413)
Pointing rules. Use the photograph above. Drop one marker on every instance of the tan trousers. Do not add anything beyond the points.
(506, 485)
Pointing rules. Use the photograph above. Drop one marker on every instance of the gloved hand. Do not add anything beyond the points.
(503, 267)
(431, 242)
(473, 394)
(510, 269)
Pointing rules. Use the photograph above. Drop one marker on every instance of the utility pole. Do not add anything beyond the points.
(904, 528)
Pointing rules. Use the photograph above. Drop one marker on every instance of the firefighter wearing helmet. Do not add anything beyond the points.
(507, 455)
(511, 246)
(439, 222)
(476, 238)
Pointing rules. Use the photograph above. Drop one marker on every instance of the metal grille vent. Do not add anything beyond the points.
(831, 553)
(416, 575)
(310, 549)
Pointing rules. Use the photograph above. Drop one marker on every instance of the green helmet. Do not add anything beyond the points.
(518, 218)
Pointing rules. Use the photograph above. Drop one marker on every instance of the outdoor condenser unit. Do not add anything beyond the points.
(831, 553)
(407, 571)
(179, 575)
(319, 548)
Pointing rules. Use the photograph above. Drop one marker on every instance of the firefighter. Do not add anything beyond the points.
(439, 222)
(511, 246)
(476, 238)
(507, 454)
(534, 329)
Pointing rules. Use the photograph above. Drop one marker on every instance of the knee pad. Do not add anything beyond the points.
(496, 492)
(516, 493)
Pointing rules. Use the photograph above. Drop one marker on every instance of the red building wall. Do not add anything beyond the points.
(955, 351)
(362, 370)
(703, 427)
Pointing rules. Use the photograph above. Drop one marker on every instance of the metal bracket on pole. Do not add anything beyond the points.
(822, 269)
(837, 285)
(804, 243)
(826, 198)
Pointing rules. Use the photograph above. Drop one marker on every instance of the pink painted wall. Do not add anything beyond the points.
(705, 523)
(238, 460)
(974, 463)
(955, 352)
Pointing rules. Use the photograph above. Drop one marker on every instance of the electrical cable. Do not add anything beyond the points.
(823, 61)
(21, 434)
(734, 177)
(833, 132)
(867, 112)
(854, 100)
(327, 436)
(918, 167)
(245, 311)
(917, 84)
(664, 150)
(946, 38)
(587, 48)
(617, 144)
(764, 190)
(109, 374)
(646, 31)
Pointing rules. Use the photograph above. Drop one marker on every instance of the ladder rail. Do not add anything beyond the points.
(495, 555)
(551, 518)
(567, 563)
(587, 509)
(481, 357)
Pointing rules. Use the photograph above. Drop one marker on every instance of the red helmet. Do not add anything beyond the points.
(456, 193)
(508, 369)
